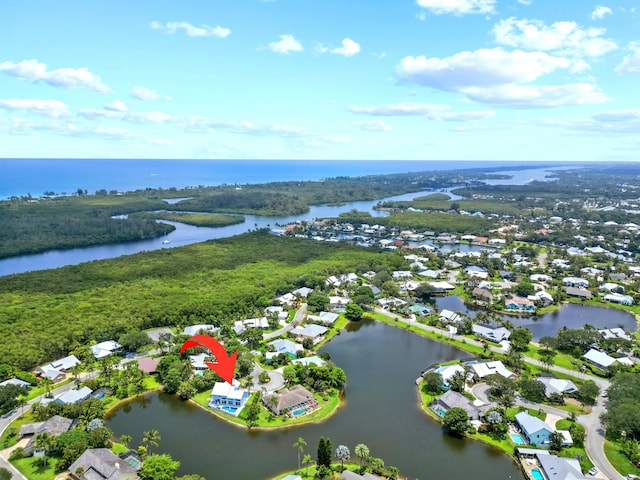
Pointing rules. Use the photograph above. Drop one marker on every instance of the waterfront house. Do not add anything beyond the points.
(105, 349)
(616, 332)
(451, 399)
(419, 310)
(519, 304)
(551, 466)
(602, 360)
(482, 295)
(448, 371)
(325, 318)
(448, 316)
(349, 475)
(496, 335)
(198, 361)
(103, 464)
(306, 361)
(312, 331)
(535, 430)
(575, 282)
(290, 400)
(619, 298)
(229, 398)
(72, 396)
(581, 293)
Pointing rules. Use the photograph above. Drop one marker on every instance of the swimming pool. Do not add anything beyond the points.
(537, 474)
(300, 411)
(440, 412)
(228, 409)
(517, 439)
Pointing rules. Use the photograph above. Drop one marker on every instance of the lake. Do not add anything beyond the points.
(380, 410)
(571, 315)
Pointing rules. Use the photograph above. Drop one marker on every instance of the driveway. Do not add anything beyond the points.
(297, 319)
(276, 380)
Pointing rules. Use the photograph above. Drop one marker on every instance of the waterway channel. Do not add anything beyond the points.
(570, 315)
(381, 410)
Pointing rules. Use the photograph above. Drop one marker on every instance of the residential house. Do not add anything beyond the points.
(302, 292)
(338, 303)
(306, 361)
(581, 293)
(105, 349)
(289, 400)
(288, 299)
(448, 316)
(552, 466)
(611, 287)
(482, 295)
(539, 277)
(325, 318)
(420, 310)
(229, 398)
(619, 298)
(71, 396)
(484, 369)
(558, 386)
(451, 399)
(401, 275)
(15, 381)
(613, 333)
(241, 326)
(312, 331)
(389, 302)
(54, 426)
(197, 329)
(198, 361)
(441, 287)
(283, 345)
(56, 371)
(535, 430)
(103, 464)
(602, 360)
(148, 365)
(575, 282)
(349, 475)
(448, 371)
(541, 296)
(519, 304)
(496, 335)
(276, 311)
(432, 274)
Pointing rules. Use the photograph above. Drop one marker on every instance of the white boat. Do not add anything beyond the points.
(166, 241)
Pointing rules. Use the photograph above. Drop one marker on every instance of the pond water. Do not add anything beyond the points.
(571, 315)
(381, 410)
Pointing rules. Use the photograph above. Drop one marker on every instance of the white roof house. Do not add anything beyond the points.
(104, 349)
(614, 333)
(450, 316)
(448, 371)
(599, 359)
(494, 334)
(313, 331)
(485, 369)
(73, 396)
(558, 385)
(195, 329)
(327, 318)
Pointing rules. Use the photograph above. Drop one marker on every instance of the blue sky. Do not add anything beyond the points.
(333, 79)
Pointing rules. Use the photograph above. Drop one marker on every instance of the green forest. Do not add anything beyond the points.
(50, 313)
(33, 225)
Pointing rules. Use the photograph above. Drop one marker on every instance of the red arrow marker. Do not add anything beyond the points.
(226, 364)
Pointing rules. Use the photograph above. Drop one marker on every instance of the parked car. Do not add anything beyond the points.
(592, 471)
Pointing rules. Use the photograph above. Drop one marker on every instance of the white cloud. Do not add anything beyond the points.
(116, 106)
(133, 117)
(525, 2)
(286, 44)
(482, 68)
(35, 71)
(630, 63)
(562, 38)
(320, 48)
(458, 7)
(144, 93)
(619, 115)
(429, 110)
(192, 30)
(374, 126)
(600, 11)
(48, 108)
(528, 96)
(349, 48)
(615, 122)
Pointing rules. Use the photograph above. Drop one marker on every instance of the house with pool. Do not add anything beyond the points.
(541, 465)
(534, 430)
(297, 400)
(228, 398)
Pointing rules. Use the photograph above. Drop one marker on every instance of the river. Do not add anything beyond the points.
(381, 410)
(570, 315)
(188, 234)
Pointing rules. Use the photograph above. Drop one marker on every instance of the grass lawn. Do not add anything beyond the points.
(37, 391)
(31, 468)
(6, 440)
(618, 460)
(308, 473)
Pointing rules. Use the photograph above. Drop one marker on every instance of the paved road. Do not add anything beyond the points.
(594, 442)
(276, 379)
(297, 319)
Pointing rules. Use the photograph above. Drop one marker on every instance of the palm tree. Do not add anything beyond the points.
(47, 383)
(362, 452)
(151, 438)
(306, 460)
(45, 442)
(300, 444)
(125, 439)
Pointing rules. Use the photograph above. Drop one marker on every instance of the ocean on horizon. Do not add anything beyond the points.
(34, 176)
